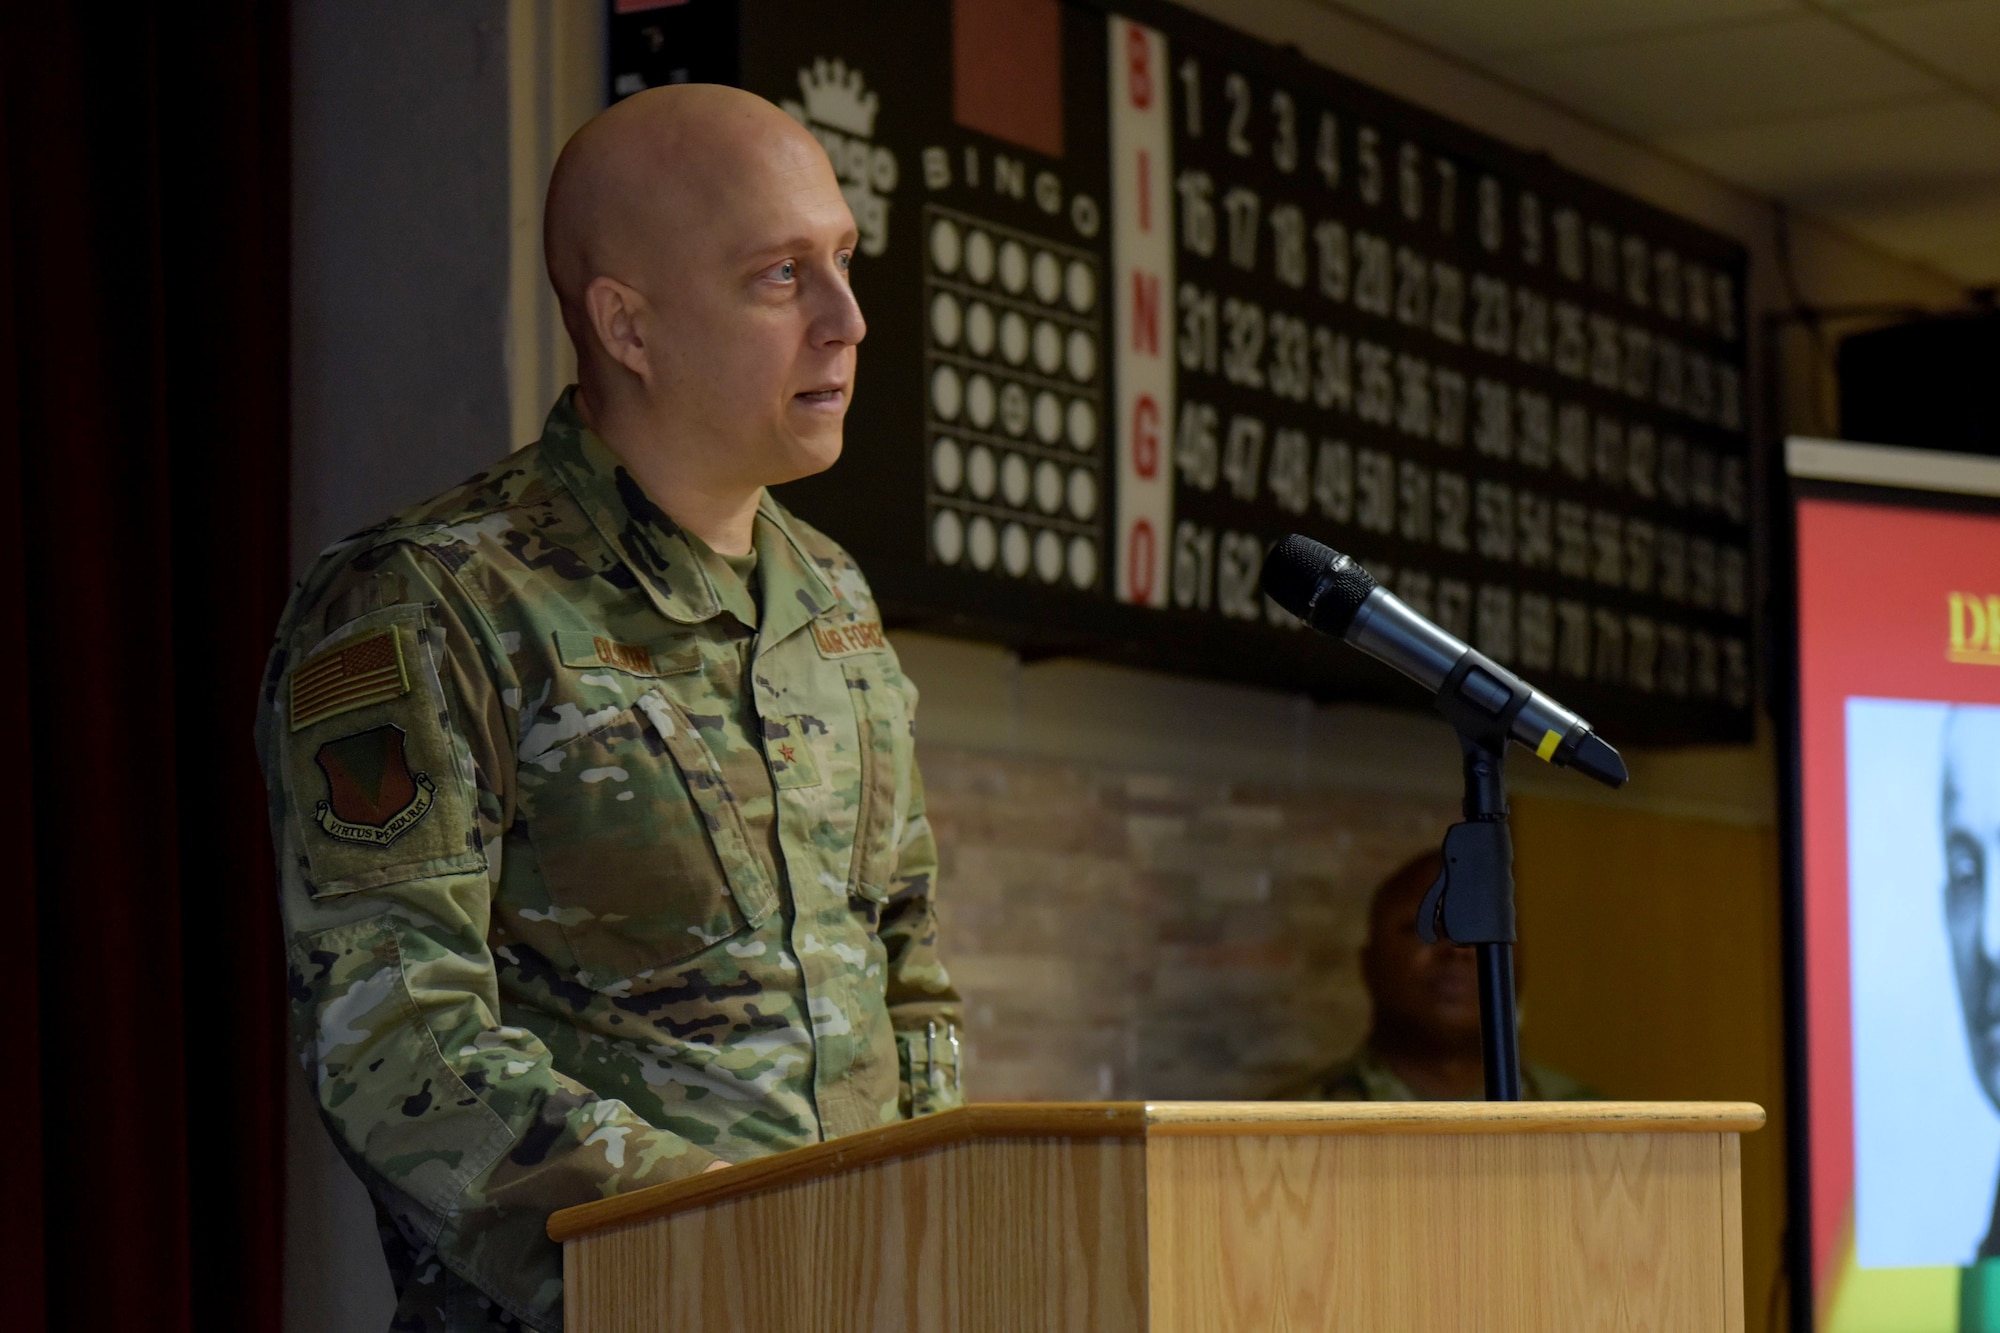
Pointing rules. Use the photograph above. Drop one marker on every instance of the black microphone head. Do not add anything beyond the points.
(1594, 758)
(1316, 583)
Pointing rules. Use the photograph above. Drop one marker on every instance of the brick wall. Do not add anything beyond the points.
(1125, 935)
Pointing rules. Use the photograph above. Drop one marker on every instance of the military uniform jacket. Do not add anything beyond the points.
(1365, 1076)
(594, 870)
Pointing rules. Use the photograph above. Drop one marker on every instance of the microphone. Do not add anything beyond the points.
(1331, 593)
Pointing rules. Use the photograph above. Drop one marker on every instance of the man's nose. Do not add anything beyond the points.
(1989, 925)
(839, 321)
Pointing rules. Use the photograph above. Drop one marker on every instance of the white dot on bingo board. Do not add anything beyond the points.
(981, 542)
(979, 328)
(979, 257)
(947, 392)
(1048, 487)
(1081, 356)
(1048, 417)
(1013, 338)
(1082, 561)
(1014, 267)
(1014, 480)
(1080, 287)
(1082, 493)
(1048, 278)
(947, 464)
(948, 536)
(1014, 549)
(945, 245)
(1081, 424)
(980, 472)
(979, 401)
(1048, 348)
(1048, 556)
(947, 319)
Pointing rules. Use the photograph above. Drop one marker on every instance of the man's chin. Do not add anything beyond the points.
(1453, 1031)
(808, 456)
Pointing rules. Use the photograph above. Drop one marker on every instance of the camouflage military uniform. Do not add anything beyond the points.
(596, 870)
(1365, 1077)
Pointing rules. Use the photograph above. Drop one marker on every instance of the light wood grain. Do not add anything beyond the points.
(1267, 1118)
(1501, 1233)
(1732, 1231)
(905, 1138)
(1133, 1119)
(983, 1236)
(1194, 1218)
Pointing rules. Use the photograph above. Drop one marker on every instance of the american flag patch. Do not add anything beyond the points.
(354, 675)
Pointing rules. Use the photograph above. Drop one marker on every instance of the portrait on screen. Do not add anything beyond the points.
(1923, 793)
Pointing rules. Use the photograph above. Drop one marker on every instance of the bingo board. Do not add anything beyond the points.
(1145, 294)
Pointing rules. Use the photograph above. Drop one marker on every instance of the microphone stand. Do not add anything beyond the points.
(1472, 901)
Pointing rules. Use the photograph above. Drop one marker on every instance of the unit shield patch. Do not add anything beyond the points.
(372, 796)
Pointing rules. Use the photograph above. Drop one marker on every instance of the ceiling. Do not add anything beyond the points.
(1881, 116)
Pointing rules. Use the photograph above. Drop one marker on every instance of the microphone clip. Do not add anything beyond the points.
(1481, 699)
(1472, 899)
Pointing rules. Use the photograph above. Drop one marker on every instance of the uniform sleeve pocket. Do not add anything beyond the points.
(379, 784)
(382, 1083)
(881, 721)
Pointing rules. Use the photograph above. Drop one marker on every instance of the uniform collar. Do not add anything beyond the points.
(1386, 1085)
(793, 589)
(653, 547)
(1383, 1083)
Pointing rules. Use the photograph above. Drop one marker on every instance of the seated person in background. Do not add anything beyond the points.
(1423, 1043)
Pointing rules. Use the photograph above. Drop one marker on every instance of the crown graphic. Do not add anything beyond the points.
(837, 96)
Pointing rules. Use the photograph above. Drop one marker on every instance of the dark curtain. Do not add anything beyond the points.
(143, 563)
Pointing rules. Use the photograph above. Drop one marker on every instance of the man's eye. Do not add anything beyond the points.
(786, 271)
(1963, 863)
(846, 260)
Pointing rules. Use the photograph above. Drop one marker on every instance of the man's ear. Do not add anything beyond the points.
(617, 319)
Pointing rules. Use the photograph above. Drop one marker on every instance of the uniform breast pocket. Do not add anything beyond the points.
(640, 843)
(882, 726)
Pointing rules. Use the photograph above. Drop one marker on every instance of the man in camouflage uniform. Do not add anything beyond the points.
(1423, 1041)
(603, 848)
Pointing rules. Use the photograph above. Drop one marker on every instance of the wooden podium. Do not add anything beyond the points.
(1193, 1217)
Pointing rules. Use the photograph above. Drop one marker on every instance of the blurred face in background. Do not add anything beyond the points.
(1425, 995)
(1971, 853)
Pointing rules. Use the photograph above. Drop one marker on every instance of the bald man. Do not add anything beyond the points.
(603, 848)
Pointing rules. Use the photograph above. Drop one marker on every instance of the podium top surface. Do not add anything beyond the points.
(1144, 1120)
